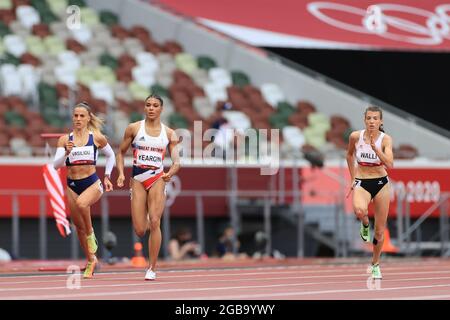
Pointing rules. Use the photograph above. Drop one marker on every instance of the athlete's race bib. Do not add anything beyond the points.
(148, 158)
(82, 155)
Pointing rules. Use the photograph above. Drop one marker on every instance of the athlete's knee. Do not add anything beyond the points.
(360, 212)
(82, 204)
(154, 223)
(140, 231)
(379, 234)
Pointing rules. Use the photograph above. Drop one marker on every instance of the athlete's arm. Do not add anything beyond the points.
(103, 144)
(63, 149)
(174, 151)
(123, 148)
(351, 154)
(385, 153)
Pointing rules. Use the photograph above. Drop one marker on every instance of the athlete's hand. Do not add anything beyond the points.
(69, 146)
(120, 180)
(349, 192)
(108, 184)
(166, 177)
(351, 189)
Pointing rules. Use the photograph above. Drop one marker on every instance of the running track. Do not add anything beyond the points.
(307, 279)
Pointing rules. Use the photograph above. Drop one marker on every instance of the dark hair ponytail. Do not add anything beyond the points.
(381, 128)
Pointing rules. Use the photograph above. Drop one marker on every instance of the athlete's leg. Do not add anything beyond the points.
(156, 202)
(78, 221)
(361, 199)
(381, 205)
(87, 198)
(139, 214)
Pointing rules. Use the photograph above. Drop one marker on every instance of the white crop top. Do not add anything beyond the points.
(365, 156)
(149, 151)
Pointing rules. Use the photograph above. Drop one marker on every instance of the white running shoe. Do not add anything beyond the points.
(150, 275)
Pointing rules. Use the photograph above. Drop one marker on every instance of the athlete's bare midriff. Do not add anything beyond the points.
(364, 172)
(80, 171)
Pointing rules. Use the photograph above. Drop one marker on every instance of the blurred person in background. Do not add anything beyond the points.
(372, 150)
(222, 138)
(224, 247)
(149, 139)
(182, 246)
(79, 152)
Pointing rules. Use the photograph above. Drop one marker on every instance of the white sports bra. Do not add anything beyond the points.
(148, 151)
(365, 156)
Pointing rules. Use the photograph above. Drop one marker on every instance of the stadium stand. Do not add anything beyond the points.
(45, 68)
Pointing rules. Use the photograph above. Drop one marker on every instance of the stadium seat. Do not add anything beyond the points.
(30, 78)
(4, 29)
(143, 76)
(57, 6)
(206, 62)
(20, 147)
(405, 151)
(79, 3)
(200, 77)
(54, 45)
(203, 107)
(100, 90)
(121, 92)
(215, 92)
(272, 93)
(186, 62)
(314, 137)
(240, 78)
(6, 4)
(293, 136)
(278, 121)
(75, 46)
(13, 118)
(238, 120)
(105, 74)
(178, 121)
(108, 18)
(159, 90)
(89, 17)
(220, 77)
(35, 45)
(83, 34)
(14, 45)
(138, 91)
(66, 75)
(319, 121)
(148, 61)
(27, 16)
(14, 27)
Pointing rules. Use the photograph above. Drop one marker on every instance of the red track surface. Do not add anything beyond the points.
(324, 279)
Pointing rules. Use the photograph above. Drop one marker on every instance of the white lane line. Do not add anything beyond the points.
(109, 294)
(100, 285)
(104, 276)
(356, 272)
(313, 267)
(310, 293)
(432, 297)
(143, 283)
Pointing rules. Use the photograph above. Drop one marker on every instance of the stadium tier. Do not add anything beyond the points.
(46, 67)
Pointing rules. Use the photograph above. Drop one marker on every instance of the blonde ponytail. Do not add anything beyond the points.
(96, 123)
